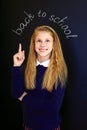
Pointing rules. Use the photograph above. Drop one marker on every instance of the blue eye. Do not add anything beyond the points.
(38, 40)
(47, 40)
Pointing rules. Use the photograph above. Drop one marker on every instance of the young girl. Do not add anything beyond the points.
(41, 86)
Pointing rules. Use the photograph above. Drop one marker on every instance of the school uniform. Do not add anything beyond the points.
(41, 108)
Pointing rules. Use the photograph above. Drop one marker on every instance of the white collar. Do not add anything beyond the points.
(44, 63)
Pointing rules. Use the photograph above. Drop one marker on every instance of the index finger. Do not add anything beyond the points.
(20, 48)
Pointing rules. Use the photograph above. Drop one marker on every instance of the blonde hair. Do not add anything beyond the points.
(57, 69)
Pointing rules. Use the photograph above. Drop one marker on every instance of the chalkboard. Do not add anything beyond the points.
(69, 19)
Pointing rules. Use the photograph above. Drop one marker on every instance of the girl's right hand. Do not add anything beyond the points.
(19, 57)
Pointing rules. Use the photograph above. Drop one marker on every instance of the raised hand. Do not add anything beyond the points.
(19, 57)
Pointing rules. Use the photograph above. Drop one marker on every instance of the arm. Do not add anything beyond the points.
(17, 83)
(58, 96)
(17, 78)
(55, 99)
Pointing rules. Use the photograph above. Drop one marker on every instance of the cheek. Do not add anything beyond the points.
(51, 47)
(36, 47)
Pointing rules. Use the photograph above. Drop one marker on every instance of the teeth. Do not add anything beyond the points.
(42, 49)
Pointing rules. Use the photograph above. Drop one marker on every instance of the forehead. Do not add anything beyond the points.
(44, 34)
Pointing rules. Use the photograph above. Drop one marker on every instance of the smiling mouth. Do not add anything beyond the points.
(42, 50)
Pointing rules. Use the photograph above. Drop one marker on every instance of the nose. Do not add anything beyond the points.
(43, 43)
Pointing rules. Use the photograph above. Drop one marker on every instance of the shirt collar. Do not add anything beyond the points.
(45, 63)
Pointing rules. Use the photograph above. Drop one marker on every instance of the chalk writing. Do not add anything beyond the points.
(22, 26)
(42, 14)
(60, 23)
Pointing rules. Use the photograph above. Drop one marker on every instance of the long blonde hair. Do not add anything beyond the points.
(57, 69)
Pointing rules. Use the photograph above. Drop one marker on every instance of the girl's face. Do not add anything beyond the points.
(43, 45)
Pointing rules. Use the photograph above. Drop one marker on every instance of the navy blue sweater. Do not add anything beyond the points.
(41, 109)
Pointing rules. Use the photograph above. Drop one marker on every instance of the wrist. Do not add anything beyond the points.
(15, 65)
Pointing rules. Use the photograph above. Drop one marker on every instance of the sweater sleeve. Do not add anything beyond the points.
(58, 96)
(17, 82)
(55, 99)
